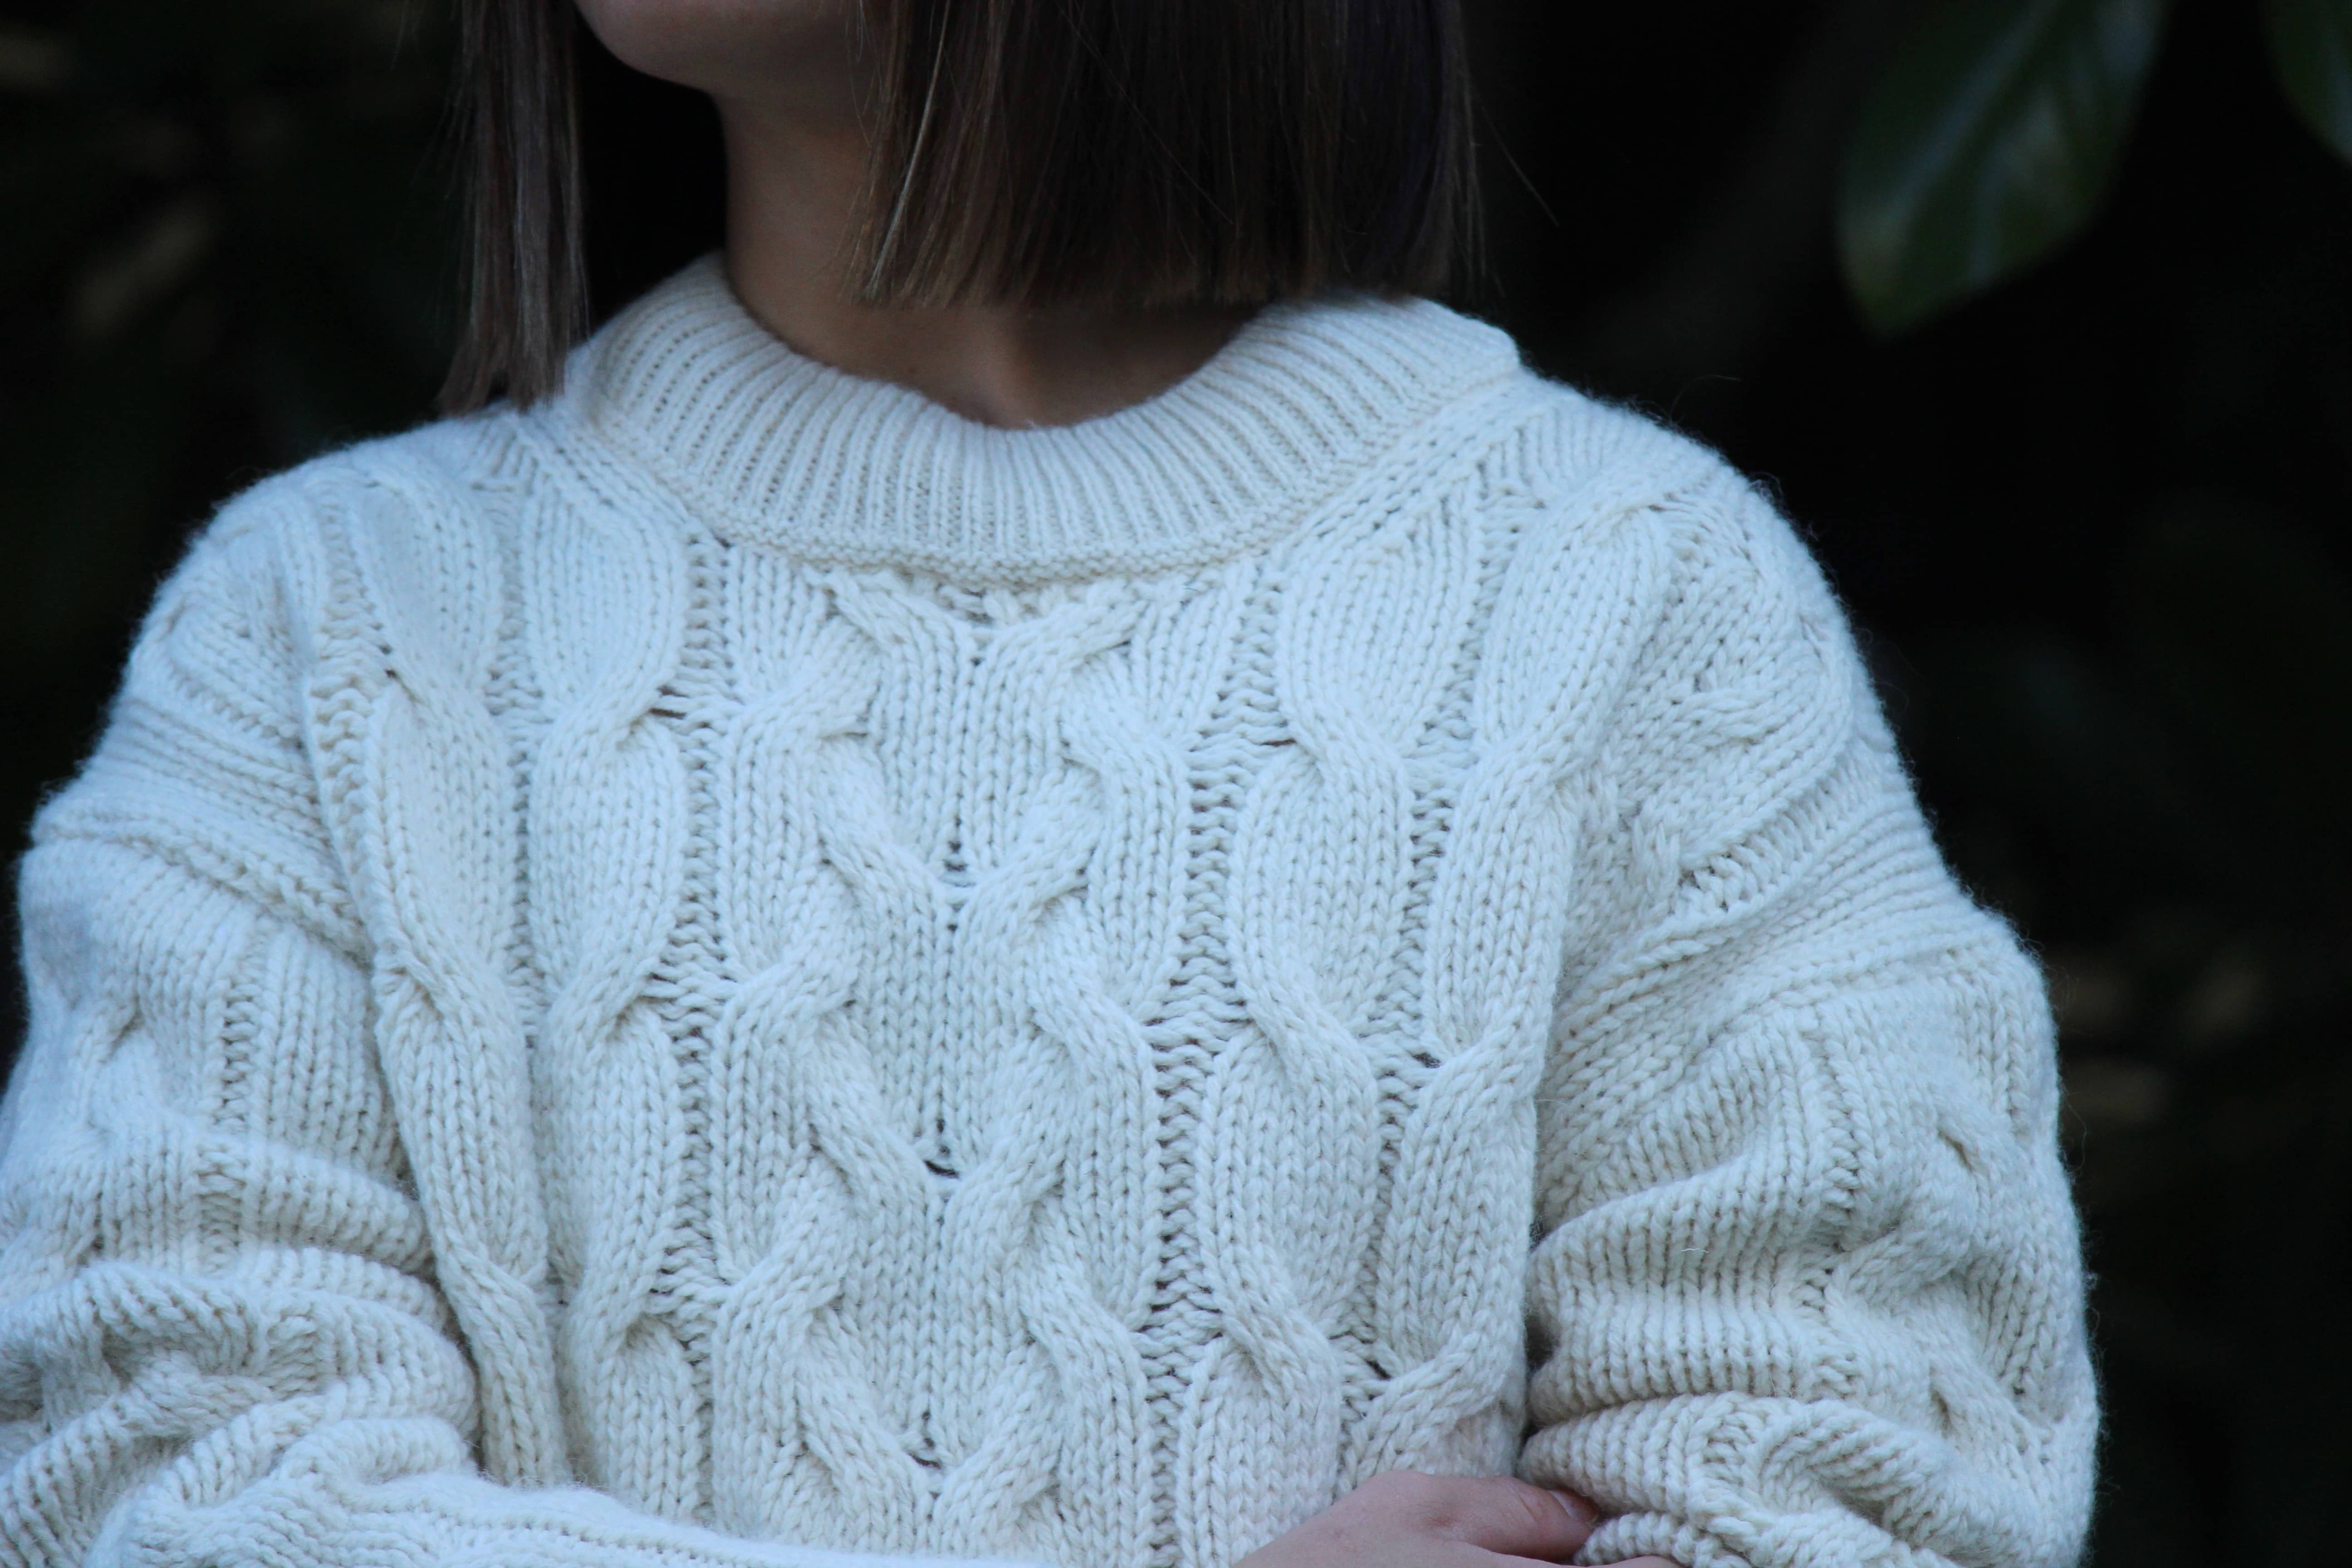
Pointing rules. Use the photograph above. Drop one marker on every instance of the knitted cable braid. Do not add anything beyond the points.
(736, 970)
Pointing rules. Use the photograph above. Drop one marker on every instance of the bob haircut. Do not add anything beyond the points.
(1137, 152)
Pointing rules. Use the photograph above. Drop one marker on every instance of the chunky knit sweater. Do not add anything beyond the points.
(734, 969)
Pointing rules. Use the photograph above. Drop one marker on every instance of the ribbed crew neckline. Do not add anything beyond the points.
(768, 446)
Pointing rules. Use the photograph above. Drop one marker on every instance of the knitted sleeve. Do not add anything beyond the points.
(1807, 1289)
(221, 1339)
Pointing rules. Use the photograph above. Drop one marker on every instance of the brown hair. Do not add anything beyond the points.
(1033, 151)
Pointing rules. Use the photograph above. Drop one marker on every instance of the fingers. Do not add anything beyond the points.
(1502, 1515)
(1643, 1563)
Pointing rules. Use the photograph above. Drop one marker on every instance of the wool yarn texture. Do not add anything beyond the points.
(735, 971)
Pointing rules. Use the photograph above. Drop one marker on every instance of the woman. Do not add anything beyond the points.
(1033, 872)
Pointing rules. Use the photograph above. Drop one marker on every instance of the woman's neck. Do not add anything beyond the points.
(792, 188)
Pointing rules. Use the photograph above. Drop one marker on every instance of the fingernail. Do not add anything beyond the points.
(1578, 1508)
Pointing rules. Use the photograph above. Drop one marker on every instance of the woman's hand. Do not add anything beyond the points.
(1404, 1519)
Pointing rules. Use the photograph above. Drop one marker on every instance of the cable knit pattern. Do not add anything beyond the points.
(737, 971)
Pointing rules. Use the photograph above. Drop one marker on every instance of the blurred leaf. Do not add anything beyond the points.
(1986, 143)
(2311, 46)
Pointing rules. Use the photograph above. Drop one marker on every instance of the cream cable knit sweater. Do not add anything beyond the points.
(737, 969)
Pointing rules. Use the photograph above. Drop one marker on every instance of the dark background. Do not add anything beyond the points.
(2092, 527)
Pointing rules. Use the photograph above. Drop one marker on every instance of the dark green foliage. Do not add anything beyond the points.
(2311, 45)
(1988, 143)
(1990, 137)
